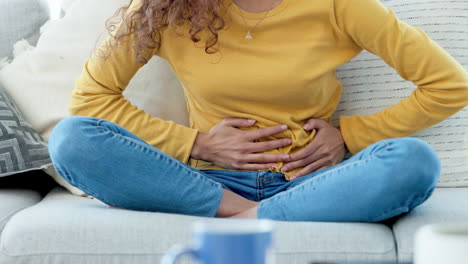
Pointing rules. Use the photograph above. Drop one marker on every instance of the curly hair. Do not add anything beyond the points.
(152, 16)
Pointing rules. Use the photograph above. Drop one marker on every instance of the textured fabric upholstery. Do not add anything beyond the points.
(444, 206)
(15, 200)
(22, 148)
(73, 229)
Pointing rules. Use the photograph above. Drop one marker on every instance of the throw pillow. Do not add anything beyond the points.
(20, 19)
(57, 8)
(370, 85)
(21, 147)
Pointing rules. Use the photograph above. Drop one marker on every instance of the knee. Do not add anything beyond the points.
(68, 136)
(416, 162)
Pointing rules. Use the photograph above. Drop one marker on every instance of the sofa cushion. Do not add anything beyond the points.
(445, 205)
(74, 229)
(370, 85)
(15, 200)
(21, 147)
(20, 19)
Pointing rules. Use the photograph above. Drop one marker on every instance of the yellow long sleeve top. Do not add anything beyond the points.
(284, 75)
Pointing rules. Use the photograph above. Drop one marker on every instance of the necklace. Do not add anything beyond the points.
(248, 36)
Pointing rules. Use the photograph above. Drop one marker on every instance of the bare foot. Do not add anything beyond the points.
(115, 207)
(249, 213)
(233, 204)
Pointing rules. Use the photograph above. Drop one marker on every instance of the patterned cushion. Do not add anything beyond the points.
(370, 85)
(21, 147)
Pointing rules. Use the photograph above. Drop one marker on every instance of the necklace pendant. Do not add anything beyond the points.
(248, 36)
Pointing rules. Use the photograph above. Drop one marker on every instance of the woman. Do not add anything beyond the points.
(260, 84)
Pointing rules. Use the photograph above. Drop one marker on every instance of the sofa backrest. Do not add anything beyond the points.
(20, 19)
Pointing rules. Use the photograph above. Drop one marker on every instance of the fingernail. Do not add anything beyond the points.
(292, 178)
(284, 169)
(306, 126)
(284, 126)
(251, 120)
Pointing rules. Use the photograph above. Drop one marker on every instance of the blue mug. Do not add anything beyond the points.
(233, 242)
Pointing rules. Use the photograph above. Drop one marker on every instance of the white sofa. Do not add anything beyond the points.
(64, 228)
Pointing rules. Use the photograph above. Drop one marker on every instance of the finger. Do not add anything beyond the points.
(314, 123)
(268, 145)
(255, 167)
(264, 132)
(308, 169)
(321, 154)
(238, 122)
(308, 150)
(289, 166)
(265, 158)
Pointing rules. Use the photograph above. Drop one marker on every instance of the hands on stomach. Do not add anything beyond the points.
(227, 146)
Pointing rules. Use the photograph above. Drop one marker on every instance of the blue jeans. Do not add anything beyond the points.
(106, 161)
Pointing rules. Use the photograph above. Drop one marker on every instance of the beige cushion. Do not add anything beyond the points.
(370, 85)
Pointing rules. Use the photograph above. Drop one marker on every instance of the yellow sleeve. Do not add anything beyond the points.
(442, 83)
(98, 93)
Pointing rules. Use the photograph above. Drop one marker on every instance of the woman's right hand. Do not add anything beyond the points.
(227, 146)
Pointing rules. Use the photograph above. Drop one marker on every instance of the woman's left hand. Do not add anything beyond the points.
(326, 149)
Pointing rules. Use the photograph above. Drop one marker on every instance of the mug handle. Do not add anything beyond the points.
(176, 252)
